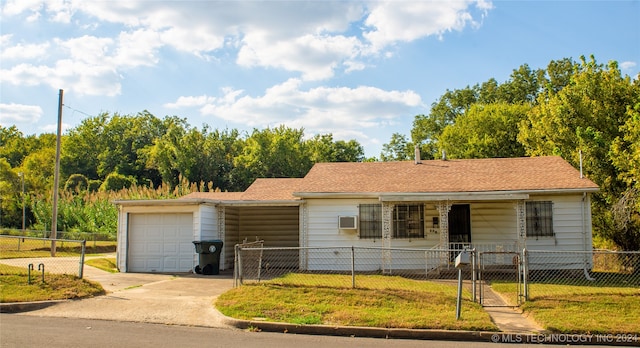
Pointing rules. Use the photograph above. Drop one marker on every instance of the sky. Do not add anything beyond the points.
(356, 69)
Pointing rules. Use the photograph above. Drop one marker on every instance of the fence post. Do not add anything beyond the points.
(480, 280)
(81, 271)
(473, 273)
(525, 273)
(353, 268)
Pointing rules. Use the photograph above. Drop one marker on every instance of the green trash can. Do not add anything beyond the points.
(208, 256)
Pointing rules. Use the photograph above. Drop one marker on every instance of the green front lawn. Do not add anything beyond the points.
(379, 301)
(15, 287)
(580, 308)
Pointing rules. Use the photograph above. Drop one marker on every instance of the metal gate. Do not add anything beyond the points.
(500, 267)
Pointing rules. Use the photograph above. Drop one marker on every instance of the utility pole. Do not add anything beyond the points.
(56, 180)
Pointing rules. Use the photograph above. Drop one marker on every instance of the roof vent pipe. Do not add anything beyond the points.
(416, 154)
(444, 155)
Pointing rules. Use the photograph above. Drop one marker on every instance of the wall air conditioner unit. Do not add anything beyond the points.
(348, 222)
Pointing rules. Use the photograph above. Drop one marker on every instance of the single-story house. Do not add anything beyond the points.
(500, 204)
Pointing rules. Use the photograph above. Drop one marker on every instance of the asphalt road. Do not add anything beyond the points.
(30, 331)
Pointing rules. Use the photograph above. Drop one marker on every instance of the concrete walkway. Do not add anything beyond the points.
(506, 317)
(183, 299)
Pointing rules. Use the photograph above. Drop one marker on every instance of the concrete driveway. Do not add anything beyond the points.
(180, 299)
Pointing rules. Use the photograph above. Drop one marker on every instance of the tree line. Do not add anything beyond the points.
(567, 109)
(141, 156)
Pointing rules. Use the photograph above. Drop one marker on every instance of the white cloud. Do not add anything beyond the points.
(313, 38)
(138, 48)
(19, 113)
(394, 21)
(310, 40)
(627, 65)
(87, 49)
(315, 56)
(320, 109)
(60, 11)
(16, 7)
(5, 39)
(183, 102)
(80, 77)
(24, 52)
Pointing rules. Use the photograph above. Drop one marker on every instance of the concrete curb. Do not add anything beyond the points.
(425, 334)
(19, 307)
(358, 331)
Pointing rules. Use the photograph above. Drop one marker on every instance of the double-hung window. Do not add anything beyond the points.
(540, 219)
(370, 221)
(408, 221)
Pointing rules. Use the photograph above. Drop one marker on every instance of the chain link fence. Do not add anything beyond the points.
(29, 255)
(92, 238)
(582, 272)
(343, 267)
(528, 274)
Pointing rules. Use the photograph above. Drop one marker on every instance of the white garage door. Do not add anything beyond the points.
(160, 243)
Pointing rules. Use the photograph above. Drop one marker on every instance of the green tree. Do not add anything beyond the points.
(398, 149)
(523, 86)
(348, 151)
(14, 146)
(106, 143)
(271, 153)
(10, 201)
(82, 146)
(39, 167)
(117, 181)
(586, 115)
(76, 183)
(322, 148)
(427, 128)
(485, 131)
(163, 156)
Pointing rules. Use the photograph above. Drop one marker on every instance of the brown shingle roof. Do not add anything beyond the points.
(470, 175)
(436, 176)
(217, 196)
(272, 189)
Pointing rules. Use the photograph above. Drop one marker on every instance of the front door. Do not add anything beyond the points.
(459, 226)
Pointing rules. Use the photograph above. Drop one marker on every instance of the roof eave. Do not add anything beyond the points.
(164, 202)
(442, 196)
(273, 202)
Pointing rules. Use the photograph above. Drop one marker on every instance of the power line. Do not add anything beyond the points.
(78, 111)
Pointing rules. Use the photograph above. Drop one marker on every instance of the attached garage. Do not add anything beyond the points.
(157, 235)
(161, 242)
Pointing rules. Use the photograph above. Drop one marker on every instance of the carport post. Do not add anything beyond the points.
(80, 272)
(237, 266)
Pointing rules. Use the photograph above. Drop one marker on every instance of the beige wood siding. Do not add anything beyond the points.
(323, 225)
(231, 223)
(277, 226)
(571, 231)
(207, 219)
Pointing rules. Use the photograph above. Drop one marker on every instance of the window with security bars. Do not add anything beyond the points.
(371, 221)
(408, 221)
(539, 219)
